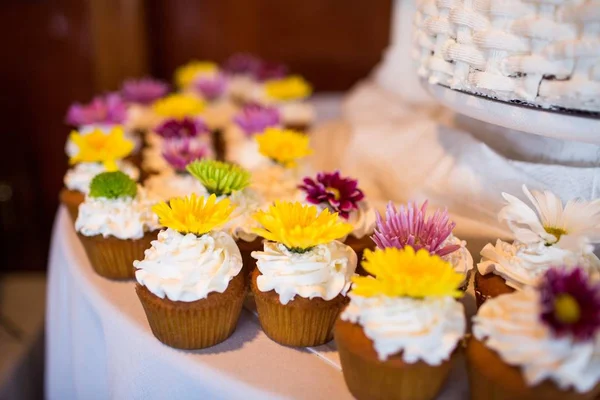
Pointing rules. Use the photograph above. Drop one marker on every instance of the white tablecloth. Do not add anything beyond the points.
(99, 346)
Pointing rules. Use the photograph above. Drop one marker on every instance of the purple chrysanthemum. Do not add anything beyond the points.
(108, 109)
(211, 87)
(180, 152)
(271, 70)
(182, 128)
(570, 303)
(410, 227)
(242, 63)
(143, 91)
(254, 118)
(337, 193)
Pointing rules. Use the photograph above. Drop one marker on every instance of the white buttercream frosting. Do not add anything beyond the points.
(218, 115)
(274, 182)
(363, 220)
(170, 184)
(80, 176)
(241, 87)
(324, 271)
(461, 259)
(425, 330)
(523, 265)
(141, 117)
(511, 326)
(240, 224)
(297, 113)
(187, 267)
(123, 218)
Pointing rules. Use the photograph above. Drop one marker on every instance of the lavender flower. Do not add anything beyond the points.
(409, 227)
(242, 63)
(255, 118)
(570, 303)
(143, 91)
(211, 87)
(180, 152)
(182, 128)
(271, 70)
(109, 109)
(330, 189)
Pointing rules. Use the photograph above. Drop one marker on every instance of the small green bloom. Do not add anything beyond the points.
(112, 185)
(219, 178)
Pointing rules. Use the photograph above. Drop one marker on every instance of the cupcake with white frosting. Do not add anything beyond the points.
(139, 94)
(544, 236)
(399, 334)
(95, 153)
(289, 95)
(411, 226)
(303, 273)
(343, 196)
(539, 342)
(115, 224)
(190, 281)
(283, 163)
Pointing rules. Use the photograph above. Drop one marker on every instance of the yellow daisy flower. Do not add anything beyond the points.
(98, 146)
(290, 88)
(186, 74)
(407, 273)
(193, 214)
(300, 227)
(283, 146)
(178, 106)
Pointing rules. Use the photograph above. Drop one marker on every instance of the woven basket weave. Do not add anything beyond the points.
(542, 52)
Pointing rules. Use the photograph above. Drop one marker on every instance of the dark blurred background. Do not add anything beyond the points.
(59, 51)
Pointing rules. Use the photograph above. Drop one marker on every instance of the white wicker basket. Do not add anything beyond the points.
(542, 52)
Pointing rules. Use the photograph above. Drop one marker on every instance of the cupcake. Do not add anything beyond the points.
(552, 236)
(173, 130)
(115, 224)
(283, 152)
(539, 342)
(342, 195)
(95, 153)
(402, 328)
(289, 95)
(409, 226)
(228, 181)
(139, 94)
(302, 274)
(176, 181)
(242, 71)
(190, 282)
(251, 120)
(186, 74)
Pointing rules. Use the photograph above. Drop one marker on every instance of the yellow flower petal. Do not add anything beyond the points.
(186, 74)
(284, 146)
(286, 89)
(97, 146)
(178, 106)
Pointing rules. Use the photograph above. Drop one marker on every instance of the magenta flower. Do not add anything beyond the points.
(271, 70)
(143, 91)
(211, 87)
(255, 118)
(242, 63)
(570, 303)
(410, 227)
(182, 128)
(331, 190)
(180, 152)
(109, 109)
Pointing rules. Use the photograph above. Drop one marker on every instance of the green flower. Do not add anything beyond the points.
(113, 185)
(219, 178)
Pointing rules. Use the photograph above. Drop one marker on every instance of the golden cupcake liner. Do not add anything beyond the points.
(198, 324)
(491, 378)
(369, 378)
(299, 323)
(71, 199)
(112, 257)
(489, 286)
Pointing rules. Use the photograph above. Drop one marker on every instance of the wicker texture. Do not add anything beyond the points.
(542, 52)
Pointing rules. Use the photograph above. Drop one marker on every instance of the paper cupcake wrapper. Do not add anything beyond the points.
(194, 325)
(113, 258)
(491, 378)
(393, 379)
(71, 199)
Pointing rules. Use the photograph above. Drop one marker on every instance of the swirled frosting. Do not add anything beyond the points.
(323, 271)
(523, 265)
(187, 267)
(512, 327)
(123, 218)
(80, 176)
(170, 184)
(274, 182)
(461, 259)
(363, 220)
(241, 87)
(140, 117)
(297, 113)
(240, 223)
(219, 114)
(419, 329)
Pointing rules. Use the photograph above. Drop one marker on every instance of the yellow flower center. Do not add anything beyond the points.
(566, 309)
(334, 192)
(556, 232)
